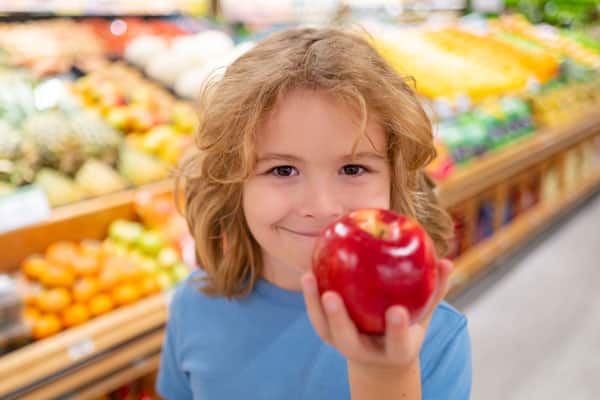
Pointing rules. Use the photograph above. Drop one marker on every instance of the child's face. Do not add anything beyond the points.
(305, 178)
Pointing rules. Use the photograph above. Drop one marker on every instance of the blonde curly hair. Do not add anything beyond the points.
(339, 62)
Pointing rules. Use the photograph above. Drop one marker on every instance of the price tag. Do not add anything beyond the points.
(81, 349)
(26, 206)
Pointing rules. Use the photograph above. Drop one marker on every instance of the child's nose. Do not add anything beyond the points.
(321, 201)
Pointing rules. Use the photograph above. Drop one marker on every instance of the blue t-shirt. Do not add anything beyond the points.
(263, 346)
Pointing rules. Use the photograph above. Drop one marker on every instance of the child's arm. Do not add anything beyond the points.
(378, 368)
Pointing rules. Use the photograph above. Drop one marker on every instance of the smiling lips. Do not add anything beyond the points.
(311, 234)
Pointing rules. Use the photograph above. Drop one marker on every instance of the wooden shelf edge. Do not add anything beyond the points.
(476, 260)
(52, 355)
(135, 371)
(107, 201)
(501, 165)
(129, 357)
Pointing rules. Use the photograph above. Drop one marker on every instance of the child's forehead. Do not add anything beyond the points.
(316, 122)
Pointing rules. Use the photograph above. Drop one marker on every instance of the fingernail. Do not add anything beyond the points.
(331, 305)
(395, 317)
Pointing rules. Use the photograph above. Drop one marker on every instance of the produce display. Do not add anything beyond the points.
(397, 265)
(13, 331)
(184, 63)
(48, 138)
(154, 122)
(73, 282)
(50, 47)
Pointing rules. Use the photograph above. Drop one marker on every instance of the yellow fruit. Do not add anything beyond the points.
(62, 253)
(86, 265)
(125, 294)
(100, 304)
(57, 276)
(85, 289)
(45, 326)
(74, 315)
(54, 300)
(148, 285)
(30, 315)
(34, 267)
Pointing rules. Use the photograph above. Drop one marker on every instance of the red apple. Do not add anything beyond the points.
(376, 259)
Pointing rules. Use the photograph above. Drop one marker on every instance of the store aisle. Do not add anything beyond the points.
(536, 329)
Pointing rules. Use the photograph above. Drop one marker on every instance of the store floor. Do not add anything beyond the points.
(535, 322)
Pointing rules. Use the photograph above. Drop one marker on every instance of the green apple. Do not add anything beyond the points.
(119, 118)
(149, 265)
(167, 257)
(150, 242)
(164, 280)
(125, 232)
(179, 272)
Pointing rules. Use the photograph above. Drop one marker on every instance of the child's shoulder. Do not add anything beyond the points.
(447, 323)
(189, 297)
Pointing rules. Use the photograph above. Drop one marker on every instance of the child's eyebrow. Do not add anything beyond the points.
(278, 157)
(346, 158)
(364, 154)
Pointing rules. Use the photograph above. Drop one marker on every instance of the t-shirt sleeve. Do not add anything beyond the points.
(450, 375)
(172, 382)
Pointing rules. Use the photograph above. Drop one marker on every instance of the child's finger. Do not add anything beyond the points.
(397, 334)
(315, 312)
(343, 331)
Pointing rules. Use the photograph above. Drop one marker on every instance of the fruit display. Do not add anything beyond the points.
(376, 259)
(184, 63)
(47, 138)
(549, 38)
(449, 62)
(118, 32)
(50, 47)
(155, 123)
(73, 282)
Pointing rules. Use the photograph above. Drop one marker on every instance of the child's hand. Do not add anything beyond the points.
(398, 348)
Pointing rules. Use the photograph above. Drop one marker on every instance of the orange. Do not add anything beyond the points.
(30, 315)
(100, 304)
(84, 289)
(148, 285)
(74, 315)
(85, 265)
(109, 278)
(125, 294)
(91, 248)
(54, 300)
(57, 276)
(34, 267)
(62, 253)
(46, 325)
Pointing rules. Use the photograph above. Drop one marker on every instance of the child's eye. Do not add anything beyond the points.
(284, 170)
(353, 170)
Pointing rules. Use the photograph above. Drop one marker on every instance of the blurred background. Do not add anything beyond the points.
(97, 106)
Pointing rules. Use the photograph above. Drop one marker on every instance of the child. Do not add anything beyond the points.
(308, 125)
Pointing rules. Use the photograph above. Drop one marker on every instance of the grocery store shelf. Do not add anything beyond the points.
(86, 219)
(59, 362)
(138, 369)
(475, 261)
(497, 167)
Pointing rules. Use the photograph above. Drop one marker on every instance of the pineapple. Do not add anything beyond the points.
(59, 188)
(10, 142)
(97, 178)
(56, 143)
(17, 157)
(140, 168)
(98, 140)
